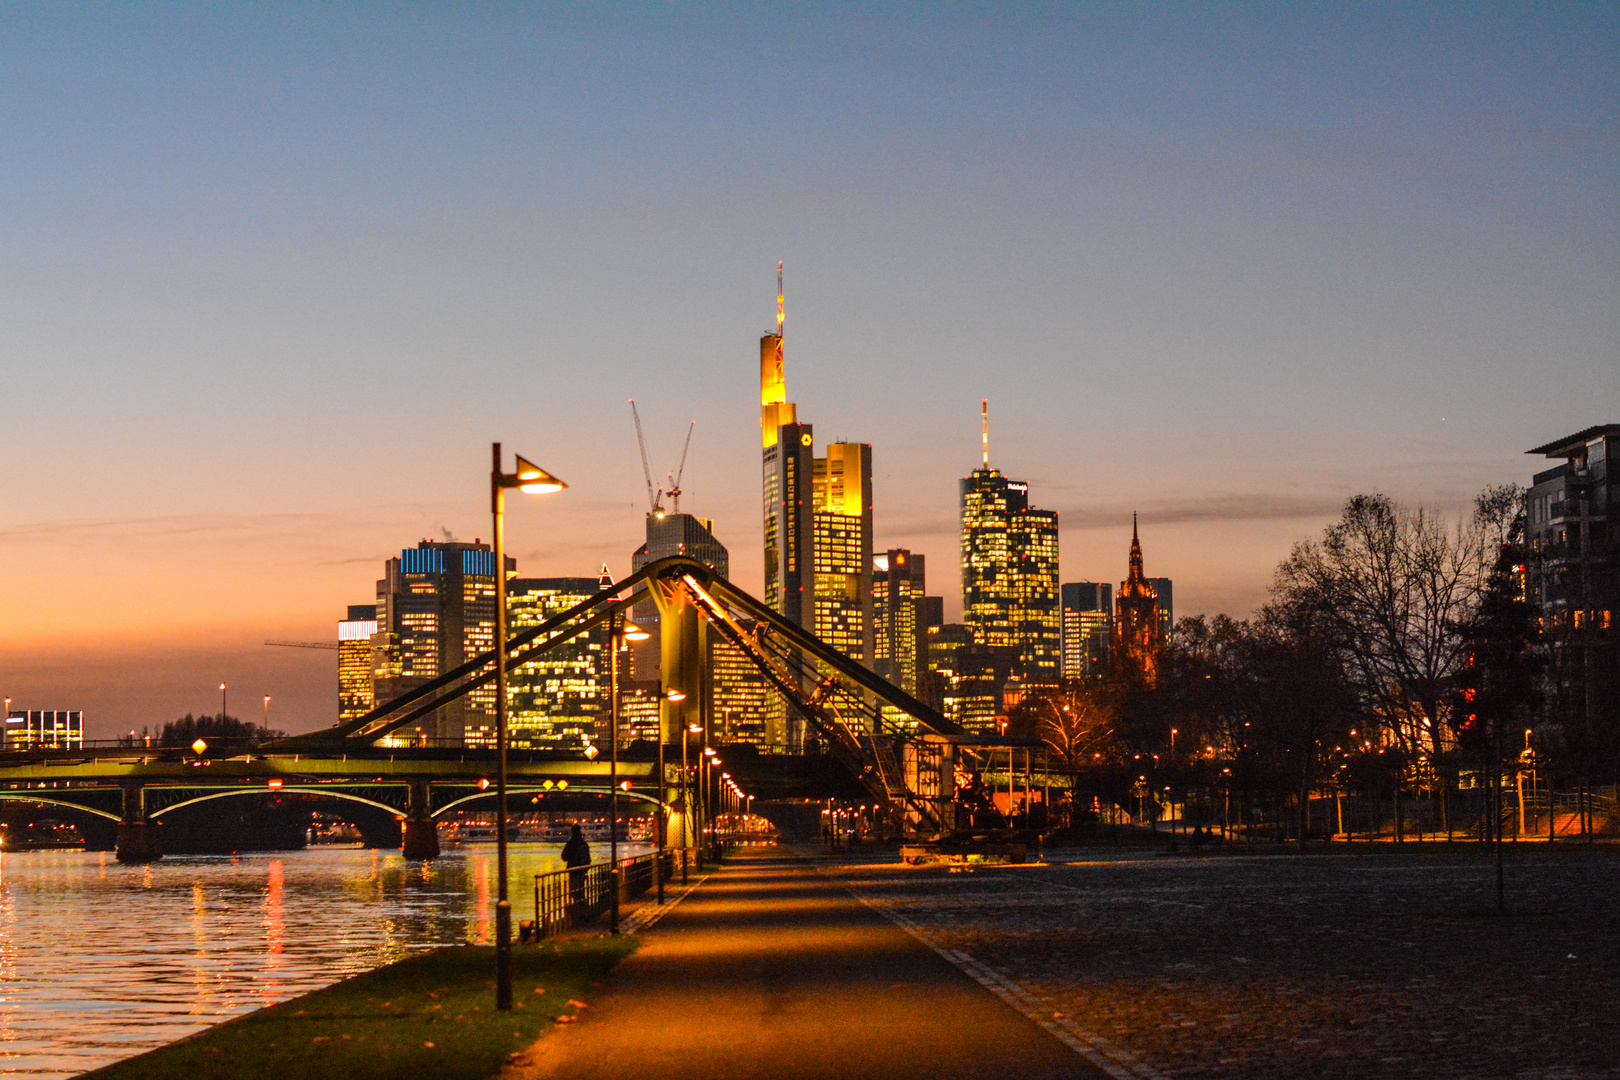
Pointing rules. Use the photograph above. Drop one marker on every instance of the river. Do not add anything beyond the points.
(100, 961)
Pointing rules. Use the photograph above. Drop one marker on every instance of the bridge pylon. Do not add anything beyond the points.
(421, 840)
(137, 834)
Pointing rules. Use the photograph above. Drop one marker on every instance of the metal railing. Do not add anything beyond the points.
(570, 899)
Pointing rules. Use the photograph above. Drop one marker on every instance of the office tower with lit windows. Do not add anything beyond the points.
(561, 698)
(1139, 628)
(789, 486)
(900, 636)
(1010, 597)
(1162, 592)
(355, 697)
(1088, 625)
(435, 611)
(965, 681)
(61, 729)
(842, 550)
(739, 696)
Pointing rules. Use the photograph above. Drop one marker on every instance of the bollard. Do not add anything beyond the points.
(616, 884)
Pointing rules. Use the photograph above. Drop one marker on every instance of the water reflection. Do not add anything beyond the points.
(99, 961)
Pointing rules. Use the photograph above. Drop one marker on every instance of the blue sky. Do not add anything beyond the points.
(274, 276)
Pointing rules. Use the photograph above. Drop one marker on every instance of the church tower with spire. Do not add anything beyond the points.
(1139, 632)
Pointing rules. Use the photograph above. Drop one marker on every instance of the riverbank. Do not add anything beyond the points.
(429, 1015)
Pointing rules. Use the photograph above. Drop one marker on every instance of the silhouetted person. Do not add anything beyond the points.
(576, 855)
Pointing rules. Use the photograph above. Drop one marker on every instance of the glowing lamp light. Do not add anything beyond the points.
(590, 752)
(483, 783)
(624, 785)
(632, 632)
(533, 480)
(708, 751)
(674, 695)
(274, 783)
(548, 785)
(562, 784)
(696, 729)
(198, 747)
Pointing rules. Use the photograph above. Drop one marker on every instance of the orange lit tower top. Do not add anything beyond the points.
(775, 409)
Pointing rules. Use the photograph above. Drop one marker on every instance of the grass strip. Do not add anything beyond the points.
(429, 1015)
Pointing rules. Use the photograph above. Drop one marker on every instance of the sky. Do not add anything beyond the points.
(274, 276)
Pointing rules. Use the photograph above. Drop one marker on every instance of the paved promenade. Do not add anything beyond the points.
(772, 970)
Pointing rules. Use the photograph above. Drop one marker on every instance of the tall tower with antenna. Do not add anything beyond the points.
(788, 482)
(1010, 589)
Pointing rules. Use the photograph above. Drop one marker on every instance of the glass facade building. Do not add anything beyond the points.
(1010, 596)
(1088, 625)
(435, 611)
(561, 699)
(355, 696)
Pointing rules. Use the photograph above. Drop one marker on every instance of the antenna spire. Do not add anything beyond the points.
(984, 415)
(781, 311)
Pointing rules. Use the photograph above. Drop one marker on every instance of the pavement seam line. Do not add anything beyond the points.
(1117, 1063)
(636, 922)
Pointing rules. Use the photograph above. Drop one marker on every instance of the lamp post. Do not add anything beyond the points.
(223, 712)
(267, 712)
(686, 795)
(530, 479)
(617, 636)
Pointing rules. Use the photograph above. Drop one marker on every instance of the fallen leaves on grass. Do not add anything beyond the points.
(565, 1019)
(578, 1004)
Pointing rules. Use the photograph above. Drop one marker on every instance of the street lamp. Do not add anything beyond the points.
(533, 480)
(686, 791)
(267, 713)
(621, 632)
(223, 711)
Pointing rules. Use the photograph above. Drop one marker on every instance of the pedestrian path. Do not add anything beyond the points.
(772, 970)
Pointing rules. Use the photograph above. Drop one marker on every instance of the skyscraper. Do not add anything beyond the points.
(355, 697)
(789, 479)
(900, 636)
(1088, 621)
(1139, 634)
(1010, 593)
(560, 699)
(435, 611)
(1163, 593)
(739, 702)
(842, 550)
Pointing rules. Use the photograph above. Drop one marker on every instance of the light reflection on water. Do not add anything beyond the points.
(100, 961)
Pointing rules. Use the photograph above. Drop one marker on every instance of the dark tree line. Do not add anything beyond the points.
(1396, 655)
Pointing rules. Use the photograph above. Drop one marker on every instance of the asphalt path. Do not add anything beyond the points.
(772, 970)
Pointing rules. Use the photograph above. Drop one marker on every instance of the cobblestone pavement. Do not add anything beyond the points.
(1386, 964)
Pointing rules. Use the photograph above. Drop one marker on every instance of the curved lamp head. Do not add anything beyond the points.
(531, 479)
(632, 632)
(674, 695)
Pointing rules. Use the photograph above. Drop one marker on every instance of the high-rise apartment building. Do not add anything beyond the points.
(355, 697)
(435, 611)
(1088, 624)
(900, 636)
(1572, 580)
(739, 696)
(1010, 597)
(1139, 629)
(842, 550)
(561, 698)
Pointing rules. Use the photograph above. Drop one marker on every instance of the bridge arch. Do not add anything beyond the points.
(28, 797)
(603, 792)
(329, 793)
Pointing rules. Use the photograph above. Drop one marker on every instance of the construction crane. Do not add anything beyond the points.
(305, 644)
(654, 498)
(675, 480)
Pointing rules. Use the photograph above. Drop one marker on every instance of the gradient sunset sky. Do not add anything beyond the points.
(272, 278)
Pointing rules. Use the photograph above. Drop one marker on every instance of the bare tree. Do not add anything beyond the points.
(1396, 589)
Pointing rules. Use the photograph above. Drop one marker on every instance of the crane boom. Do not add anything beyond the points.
(305, 644)
(675, 484)
(646, 469)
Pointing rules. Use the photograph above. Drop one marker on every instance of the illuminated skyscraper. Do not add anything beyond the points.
(1088, 626)
(739, 695)
(789, 478)
(843, 550)
(560, 700)
(1010, 594)
(900, 638)
(355, 697)
(1139, 629)
(435, 611)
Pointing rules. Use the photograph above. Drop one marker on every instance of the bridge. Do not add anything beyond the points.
(898, 752)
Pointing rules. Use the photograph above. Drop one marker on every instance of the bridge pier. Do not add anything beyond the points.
(137, 837)
(421, 831)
